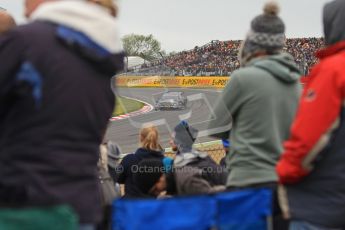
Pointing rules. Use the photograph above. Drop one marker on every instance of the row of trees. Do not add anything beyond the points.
(146, 47)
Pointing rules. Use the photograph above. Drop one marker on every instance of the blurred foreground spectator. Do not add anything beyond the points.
(262, 99)
(312, 167)
(55, 102)
(6, 22)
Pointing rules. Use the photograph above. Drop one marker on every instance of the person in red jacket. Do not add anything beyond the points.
(312, 166)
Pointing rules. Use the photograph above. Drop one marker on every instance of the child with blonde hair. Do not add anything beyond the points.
(149, 138)
(149, 149)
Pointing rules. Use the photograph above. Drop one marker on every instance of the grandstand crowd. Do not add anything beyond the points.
(220, 58)
(58, 172)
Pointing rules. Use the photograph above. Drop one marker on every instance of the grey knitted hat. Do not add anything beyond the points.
(184, 136)
(267, 33)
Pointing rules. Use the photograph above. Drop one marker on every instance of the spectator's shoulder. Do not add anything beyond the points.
(24, 33)
(131, 156)
(13, 41)
(334, 62)
(329, 66)
(128, 159)
(243, 73)
(35, 30)
(12, 35)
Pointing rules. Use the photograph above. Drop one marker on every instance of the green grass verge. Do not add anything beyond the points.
(125, 105)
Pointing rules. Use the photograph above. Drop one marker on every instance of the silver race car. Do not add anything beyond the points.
(171, 100)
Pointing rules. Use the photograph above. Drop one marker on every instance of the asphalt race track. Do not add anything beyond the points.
(126, 132)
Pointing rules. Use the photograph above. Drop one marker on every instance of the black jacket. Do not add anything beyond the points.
(128, 166)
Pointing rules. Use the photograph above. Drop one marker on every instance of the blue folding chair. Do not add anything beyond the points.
(188, 213)
(244, 210)
(240, 210)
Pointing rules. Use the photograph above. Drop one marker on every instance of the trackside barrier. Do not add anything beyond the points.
(171, 82)
(240, 210)
(177, 82)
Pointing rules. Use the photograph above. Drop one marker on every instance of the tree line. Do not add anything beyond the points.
(146, 47)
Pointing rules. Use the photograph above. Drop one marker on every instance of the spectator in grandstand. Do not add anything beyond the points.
(149, 149)
(194, 172)
(312, 165)
(262, 99)
(303, 51)
(6, 22)
(55, 103)
(220, 58)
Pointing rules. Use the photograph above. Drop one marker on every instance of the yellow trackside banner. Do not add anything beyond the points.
(178, 82)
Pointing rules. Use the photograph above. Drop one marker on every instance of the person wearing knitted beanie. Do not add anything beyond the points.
(266, 35)
(260, 102)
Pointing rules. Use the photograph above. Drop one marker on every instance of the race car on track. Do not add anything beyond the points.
(171, 100)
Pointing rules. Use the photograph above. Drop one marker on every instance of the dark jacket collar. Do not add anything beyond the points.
(145, 152)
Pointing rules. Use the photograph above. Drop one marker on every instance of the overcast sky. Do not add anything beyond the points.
(183, 24)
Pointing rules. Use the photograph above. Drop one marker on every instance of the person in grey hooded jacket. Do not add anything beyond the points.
(260, 102)
(194, 172)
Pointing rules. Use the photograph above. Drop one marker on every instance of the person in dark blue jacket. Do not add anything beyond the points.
(149, 149)
(55, 104)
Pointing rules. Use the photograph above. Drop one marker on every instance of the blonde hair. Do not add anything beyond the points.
(109, 4)
(149, 138)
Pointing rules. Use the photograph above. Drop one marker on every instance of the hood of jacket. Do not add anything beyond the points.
(142, 153)
(184, 159)
(333, 21)
(281, 66)
(88, 29)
